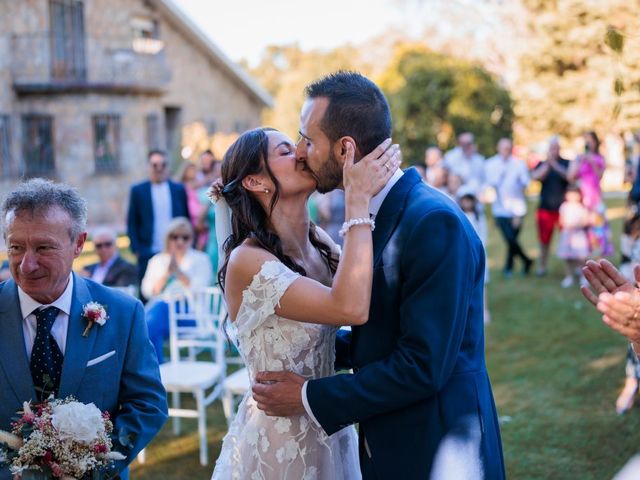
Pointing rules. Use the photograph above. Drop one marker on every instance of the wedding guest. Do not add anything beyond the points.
(43, 349)
(469, 204)
(206, 227)
(615, 297)
(552, 175)
(466, 162)
(177, 268)
(509, 177)
(187, 178)
(587, 171)
(207, 173)
(626, 398)
(331, 213)
(152, 205)
(432, 160)
(573, 247)
(438, 178)
(422, 171)
(111, 270)
(630, 248)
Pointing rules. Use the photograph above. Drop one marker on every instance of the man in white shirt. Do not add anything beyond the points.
(152, 205)
(465, 162)
(509, 177)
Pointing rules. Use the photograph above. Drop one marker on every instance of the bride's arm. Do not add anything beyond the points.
(346, 302)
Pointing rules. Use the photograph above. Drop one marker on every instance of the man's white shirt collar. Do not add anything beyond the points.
(63, 302)
(376, 201)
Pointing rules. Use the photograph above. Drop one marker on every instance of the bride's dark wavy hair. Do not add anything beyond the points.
(248, 156)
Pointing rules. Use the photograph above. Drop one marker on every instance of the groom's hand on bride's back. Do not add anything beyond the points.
(279, 394)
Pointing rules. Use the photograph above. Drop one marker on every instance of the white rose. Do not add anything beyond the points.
(77, 421)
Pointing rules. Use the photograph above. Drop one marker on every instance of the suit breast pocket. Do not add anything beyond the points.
(101, 379)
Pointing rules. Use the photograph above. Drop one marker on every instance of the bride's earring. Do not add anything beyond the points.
(266, 190)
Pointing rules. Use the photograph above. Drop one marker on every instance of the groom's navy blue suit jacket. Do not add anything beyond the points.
(419, 384)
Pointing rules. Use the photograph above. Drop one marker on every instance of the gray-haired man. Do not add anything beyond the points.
(114, 366)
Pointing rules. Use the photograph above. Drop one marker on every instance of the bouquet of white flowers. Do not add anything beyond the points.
(63, 439)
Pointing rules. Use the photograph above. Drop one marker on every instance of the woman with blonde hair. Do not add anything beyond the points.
(178, 267)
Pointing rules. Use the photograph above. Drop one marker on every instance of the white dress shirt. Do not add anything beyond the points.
(509, 178)
(100, 272)
(469, 169)
(374, 207)
(60, 325)
(162, 213)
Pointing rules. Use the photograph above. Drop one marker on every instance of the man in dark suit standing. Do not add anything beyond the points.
(152, 205)
(112, 270)
(419, 388)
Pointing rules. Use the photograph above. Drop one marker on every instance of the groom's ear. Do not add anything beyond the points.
(340, 148)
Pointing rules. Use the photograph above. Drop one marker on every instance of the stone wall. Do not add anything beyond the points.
(197, 86)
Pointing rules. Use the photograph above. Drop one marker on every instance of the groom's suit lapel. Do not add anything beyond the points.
(391, 211)
(13, 355)
(78, 349)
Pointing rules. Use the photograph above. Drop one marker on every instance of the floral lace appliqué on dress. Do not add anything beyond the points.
(259, 447)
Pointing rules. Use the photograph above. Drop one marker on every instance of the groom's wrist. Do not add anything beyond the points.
(305, 403)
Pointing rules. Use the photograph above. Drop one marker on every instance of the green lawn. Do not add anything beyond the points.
(556, 372)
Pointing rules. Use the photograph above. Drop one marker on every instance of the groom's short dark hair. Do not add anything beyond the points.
(357, 108)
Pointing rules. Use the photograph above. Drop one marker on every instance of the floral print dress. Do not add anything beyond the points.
(259, 447)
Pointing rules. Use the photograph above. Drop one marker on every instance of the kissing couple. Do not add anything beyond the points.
(409, 281)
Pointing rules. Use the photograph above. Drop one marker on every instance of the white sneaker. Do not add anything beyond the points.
(567, 282)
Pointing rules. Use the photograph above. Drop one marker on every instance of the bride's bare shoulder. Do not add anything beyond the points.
(245, 262)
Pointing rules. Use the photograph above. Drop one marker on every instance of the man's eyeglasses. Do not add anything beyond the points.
(103, 245)
(184, 238)
(158, 165)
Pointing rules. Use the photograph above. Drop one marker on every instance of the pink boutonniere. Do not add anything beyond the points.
(93, 312)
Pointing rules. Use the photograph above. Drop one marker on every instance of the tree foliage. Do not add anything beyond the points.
(286, 70)
(434, 97)
(580, 70)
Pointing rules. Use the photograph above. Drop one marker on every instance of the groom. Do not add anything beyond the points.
(419, 388)
(43, 346)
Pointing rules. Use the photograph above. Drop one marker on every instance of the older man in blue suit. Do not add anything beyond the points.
(419, 388)
(43, 346)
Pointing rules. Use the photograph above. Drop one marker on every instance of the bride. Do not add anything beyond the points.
(287, 295)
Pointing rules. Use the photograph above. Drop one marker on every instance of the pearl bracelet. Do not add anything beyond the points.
(355, 221)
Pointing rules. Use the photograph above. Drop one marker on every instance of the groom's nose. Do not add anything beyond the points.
(301, 150)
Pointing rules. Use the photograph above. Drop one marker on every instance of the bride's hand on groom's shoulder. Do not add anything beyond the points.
(279, 394)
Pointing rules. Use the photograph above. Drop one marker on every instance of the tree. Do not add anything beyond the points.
(434, 97)
(286, 70)
(573, 76)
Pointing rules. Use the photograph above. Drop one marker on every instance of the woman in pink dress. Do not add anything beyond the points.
(586, 171)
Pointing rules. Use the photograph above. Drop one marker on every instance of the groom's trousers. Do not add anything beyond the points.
(366, 464)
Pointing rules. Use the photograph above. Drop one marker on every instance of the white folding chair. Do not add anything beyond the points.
(235, 386)
(194, 328)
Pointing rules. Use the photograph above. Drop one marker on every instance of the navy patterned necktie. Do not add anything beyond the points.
(46, 357)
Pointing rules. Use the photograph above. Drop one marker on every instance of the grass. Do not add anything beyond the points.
(556, 371)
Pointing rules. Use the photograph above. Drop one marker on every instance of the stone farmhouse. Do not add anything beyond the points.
(88, 87)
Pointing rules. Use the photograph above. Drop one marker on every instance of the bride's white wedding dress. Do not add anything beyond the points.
(295, 448)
